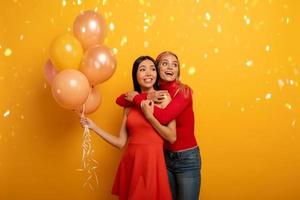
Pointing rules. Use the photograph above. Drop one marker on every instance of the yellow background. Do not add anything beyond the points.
(240, 57)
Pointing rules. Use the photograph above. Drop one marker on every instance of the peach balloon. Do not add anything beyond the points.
(66, 52)
(98, 64)
(70, 88)
(90, 28)
(92, 103)
(49, 72)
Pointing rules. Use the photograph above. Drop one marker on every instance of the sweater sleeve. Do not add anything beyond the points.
(121, 101)
(180, 102)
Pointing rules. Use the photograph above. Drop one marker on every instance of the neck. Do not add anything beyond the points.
(147, 89)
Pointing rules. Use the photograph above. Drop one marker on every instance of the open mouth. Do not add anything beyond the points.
(148, 80)
(169, 73)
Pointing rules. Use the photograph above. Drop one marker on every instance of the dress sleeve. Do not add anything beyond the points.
(121, 101)
(178, 104)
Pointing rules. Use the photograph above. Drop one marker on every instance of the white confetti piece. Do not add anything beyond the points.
(6, 114)
(267, 48)
(268, 96)
(111, 26)
(207, 16)
(219, 28)
(288, 106)
(247, 20)
(280, 83)
(123, 41)
(249, 63)
(7, 52)
(64, 3)
(192, 70)
(146, 44)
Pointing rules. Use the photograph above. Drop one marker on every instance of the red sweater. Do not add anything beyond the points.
(180, 108)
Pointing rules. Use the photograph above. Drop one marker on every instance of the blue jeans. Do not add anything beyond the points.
(184, 173)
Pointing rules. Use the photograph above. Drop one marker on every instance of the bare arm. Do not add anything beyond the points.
(117, 141)
(167, 132)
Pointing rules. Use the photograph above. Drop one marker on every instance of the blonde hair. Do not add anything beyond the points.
(183, 88)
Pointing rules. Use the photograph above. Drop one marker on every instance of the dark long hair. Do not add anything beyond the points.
(135, 67)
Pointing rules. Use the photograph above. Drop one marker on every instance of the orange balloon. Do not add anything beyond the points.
(66, 52)
(98, 64)
(92, 103)
(70, 88)
(90, 29)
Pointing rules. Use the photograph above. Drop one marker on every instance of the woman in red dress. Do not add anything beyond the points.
(142, 173)
(182, 156)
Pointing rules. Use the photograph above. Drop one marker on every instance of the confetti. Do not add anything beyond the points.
(192, 70)
(64, 3)
(115, 51)
(111, 26)
(268, 96)
(247, 20)
(7, 52)
(267, 48)
(288, 106)
(207, 16)
(249, 63)
(6, 114)
(123, 41)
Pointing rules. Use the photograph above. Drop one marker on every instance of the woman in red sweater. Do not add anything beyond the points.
(182, 157)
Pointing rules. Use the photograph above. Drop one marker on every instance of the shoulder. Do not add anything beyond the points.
(185, 90)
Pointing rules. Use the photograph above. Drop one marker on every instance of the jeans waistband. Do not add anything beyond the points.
(181, 154)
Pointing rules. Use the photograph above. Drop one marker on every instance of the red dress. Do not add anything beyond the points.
(142, 173)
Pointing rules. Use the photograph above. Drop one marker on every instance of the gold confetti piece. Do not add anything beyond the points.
(249, 63)
(219, 28)
(280, 83)
(146, 44)
(192, 70)
(247, 19)
(268, 96)
(64, 3)
(242, 109)
(7, 52)
(258, 99)
(268, 48)
(293, 123)
(115, 51)
(6, 114)
(111, 26)
(21, 37)
(123, 41)
(216, 50)
(288, 106)
(207, 16)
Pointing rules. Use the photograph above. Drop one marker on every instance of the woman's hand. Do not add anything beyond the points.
(159, 96)
(147, 107)
(84, 121)
(166, 99)
(130, 95)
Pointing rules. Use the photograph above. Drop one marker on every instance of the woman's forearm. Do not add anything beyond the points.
(118, 142)
(166, 132)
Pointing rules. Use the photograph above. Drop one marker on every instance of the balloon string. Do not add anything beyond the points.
(89, 164)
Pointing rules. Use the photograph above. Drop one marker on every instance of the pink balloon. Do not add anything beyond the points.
(98, 64)
(49, 72)
(70, 88)
(90, 29)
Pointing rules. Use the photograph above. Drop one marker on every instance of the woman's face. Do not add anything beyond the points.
(146, 74)
(168, 67)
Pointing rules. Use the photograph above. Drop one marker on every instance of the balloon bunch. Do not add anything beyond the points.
(77, 64)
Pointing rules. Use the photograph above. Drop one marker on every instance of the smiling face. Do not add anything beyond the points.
(146, 75)
(168, 67)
